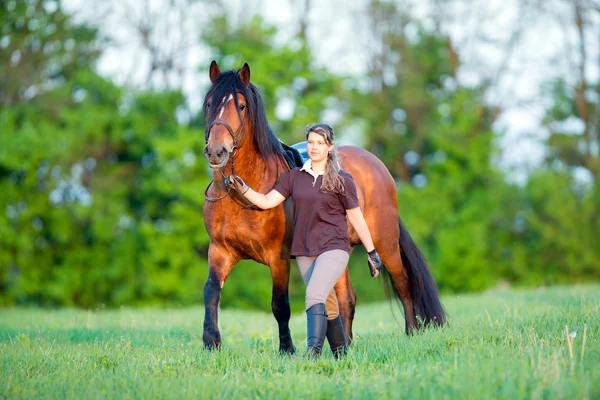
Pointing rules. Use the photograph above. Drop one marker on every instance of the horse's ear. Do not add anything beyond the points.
(245, 74)
(215, 71)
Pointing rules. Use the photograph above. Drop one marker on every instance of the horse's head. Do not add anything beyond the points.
(226, 109)
(236, 119)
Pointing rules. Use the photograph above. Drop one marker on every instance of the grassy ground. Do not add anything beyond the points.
(501, 344)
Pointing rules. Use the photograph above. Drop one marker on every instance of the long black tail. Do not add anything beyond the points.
(424, 291)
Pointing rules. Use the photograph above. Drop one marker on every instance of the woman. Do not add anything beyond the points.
(324, 196)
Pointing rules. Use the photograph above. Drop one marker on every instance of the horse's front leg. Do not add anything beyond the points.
(219, 267)
(280, 303)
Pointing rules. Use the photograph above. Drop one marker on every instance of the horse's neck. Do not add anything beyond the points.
(256, 171)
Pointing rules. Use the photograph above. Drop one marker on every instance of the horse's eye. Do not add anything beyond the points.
(207, 105)
(242, 107)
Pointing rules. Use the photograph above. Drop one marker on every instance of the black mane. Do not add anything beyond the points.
(229, 83)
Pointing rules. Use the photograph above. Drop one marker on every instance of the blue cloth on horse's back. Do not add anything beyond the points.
(302, 150)
(296, 155)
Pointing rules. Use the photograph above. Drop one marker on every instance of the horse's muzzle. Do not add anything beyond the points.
(217, 159)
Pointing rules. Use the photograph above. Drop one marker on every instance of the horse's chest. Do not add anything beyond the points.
(248, 226)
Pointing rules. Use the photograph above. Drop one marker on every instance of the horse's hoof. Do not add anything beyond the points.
(287, 350)
(212, 345)
(288, 354)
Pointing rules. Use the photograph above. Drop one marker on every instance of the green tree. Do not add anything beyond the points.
(100, 188)
(463, 213)
(561, 201)
(96, 195)
(40, 48)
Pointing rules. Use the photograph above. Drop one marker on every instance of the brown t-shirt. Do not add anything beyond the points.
(319, 216)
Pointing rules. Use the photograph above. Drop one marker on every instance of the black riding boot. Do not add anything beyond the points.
(316, 323)
(336, 337)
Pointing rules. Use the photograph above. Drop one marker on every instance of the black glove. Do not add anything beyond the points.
(375, 263)
(237, 183)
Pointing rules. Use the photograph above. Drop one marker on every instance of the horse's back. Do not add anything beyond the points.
(370, 175)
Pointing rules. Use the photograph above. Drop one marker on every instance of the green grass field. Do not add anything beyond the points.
(500, 344)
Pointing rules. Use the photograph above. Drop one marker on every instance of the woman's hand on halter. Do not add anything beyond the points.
(264, 201)
(238, 184)
(375, 263)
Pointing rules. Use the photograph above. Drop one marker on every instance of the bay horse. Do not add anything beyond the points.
(239, 141)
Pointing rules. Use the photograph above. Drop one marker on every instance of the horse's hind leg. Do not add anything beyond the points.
(393, 261)
(346, 297)
(280, 304)
(219, 267)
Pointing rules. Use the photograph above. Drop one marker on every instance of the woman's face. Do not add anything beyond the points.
(317, 147)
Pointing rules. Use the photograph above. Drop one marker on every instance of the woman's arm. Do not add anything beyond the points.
(357, 220)
(264, 201)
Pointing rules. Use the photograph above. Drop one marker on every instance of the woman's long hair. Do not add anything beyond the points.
(332, 181)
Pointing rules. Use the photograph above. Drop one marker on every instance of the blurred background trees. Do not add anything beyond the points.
(102, 182)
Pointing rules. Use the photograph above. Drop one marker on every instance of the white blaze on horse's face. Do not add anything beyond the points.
(224, 102)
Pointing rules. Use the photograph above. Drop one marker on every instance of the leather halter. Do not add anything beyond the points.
(236, 136)
(237, 141)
